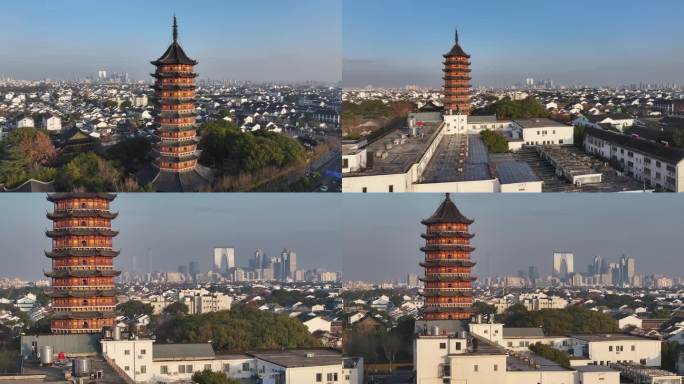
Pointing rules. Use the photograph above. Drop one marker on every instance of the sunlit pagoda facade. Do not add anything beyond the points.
(448, 282)
(83, 295)
(176, 168)
(456, 80)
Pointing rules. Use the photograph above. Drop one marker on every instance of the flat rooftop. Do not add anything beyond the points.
(610, 337)
(458, 158)
(55, 373)
(531, 362)
(541, 122)
(396, 152)
(572, 164)
(300, 357)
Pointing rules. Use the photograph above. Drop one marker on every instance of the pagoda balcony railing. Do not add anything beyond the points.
(447, 247)
(178, 154)
(456, 70)
(102, 308)
(81, 293)
(80, 210)
(432, 309)
(82, 267)
(56, 228)
(82, 248)
(171, 74)
(451, 93)
(177, 125)
(178, 141)
(456, 77)
(75, 330)
(83, 287)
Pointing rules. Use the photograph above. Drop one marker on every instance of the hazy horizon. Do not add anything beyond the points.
(514, 231)
(392, 43)
(261, 41)
(178, 228)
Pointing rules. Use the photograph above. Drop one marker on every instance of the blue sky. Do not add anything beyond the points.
(179, 228)
(400, 42)
(381, 233)
(261, 40)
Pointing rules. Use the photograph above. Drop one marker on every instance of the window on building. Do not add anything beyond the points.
(226, 367)
(319, 377)
(245, 366)
(207, 367)
(496, 367)
(143, 369)
(364, 190)
(345, 163)
(391, 188)
(476, 368)
(442, 345)
(188, 368)
(181, 368)
(164, 369)
(610, 348)
(127, 368)
(633, 347)
(127, 352)
(458, 345)
(142, 351)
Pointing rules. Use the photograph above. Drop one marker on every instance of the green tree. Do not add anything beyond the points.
(89, 172)
(579, 133)
(239, 329)
(125, 104)
(506, 109)
(176, 309)
(24, 154)
(573, 319)
(669, 355)
(551, 353)
(482, 308)
(133, 308)
(209, 377)
(132, 154)
(678, 137)
(495, 141)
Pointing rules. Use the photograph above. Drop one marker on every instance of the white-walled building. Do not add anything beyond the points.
(52, 123)
(203, 301)
(542, 131)
(144, 361)
(25, 122)
(618, 121)
(655, 164)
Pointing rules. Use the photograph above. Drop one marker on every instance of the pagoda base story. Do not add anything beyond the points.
(194, 180)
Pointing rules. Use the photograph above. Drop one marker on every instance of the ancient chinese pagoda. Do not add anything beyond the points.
(83, 298)
(456, 80)
(448, 281)
(176, 168)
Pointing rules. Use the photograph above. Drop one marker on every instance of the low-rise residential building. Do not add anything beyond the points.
(656, 165)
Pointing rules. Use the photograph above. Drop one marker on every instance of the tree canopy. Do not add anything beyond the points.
(133, 308)
(209, 377)
(232, 151)
(514, 109)
(239, 329)
(131, 154)
(89, 172)
(551, 353)
(572, 319)
(495, 141)
(24, 154)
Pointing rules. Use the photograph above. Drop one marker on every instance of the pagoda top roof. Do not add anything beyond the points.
(456, 50)
(174, 54)
(52, 197)
(447, 213)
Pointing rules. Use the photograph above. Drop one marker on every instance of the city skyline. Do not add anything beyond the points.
(403, 44)
(258, 41)
(146, 222)
(505, 230)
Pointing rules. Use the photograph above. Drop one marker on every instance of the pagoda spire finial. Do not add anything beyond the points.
(446, 196)
(175, 29)
(456, 35)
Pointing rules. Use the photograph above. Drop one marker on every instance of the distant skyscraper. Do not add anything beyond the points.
(412, 280)
(563, 264)
(224, 259)
(533, 273)
(193, 268)
(102, 75)
(183, 269)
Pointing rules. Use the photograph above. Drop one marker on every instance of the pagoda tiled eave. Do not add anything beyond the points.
(173, 87)
(174, 74)
(176, 128)
(57, 196)
(447, 263)
(177, 159)
(80, 294)
(444, 293)
(67, 213)
(181, 142)
(447, 247)
(177, 114)
(440, 234)
(77, 231)
(82, 315)
(89, 252)
(453, 277)
(83, 273)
